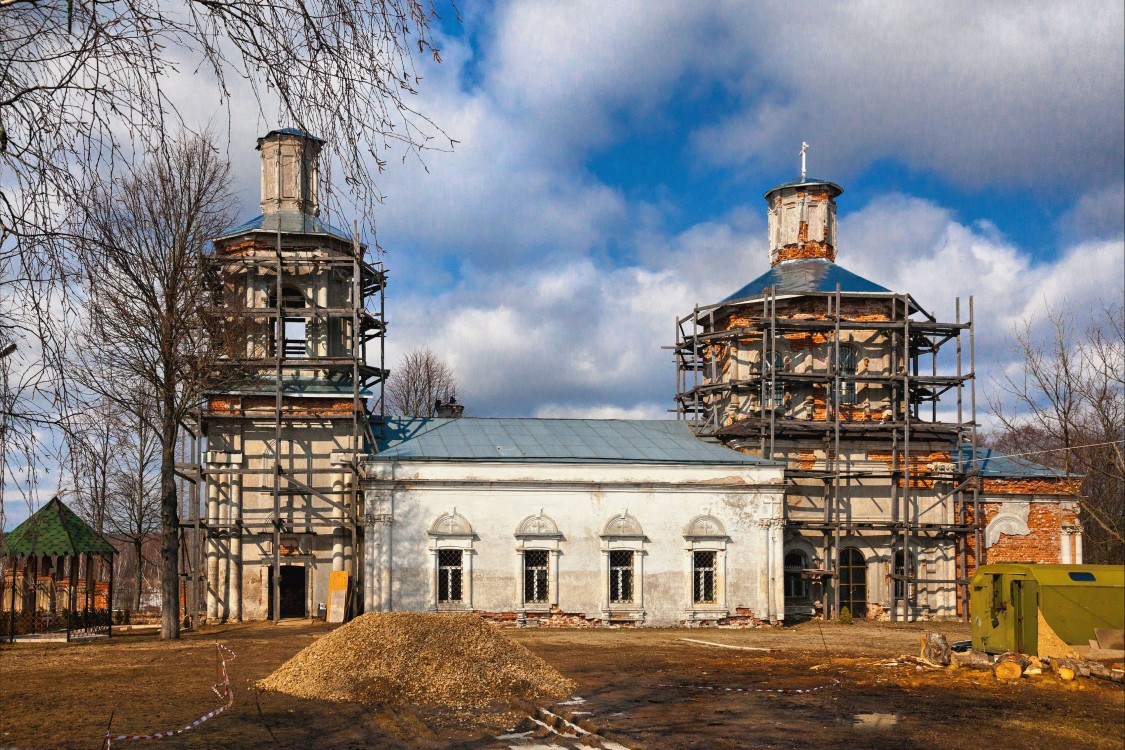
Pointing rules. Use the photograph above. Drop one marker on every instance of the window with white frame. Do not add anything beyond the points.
(621, 576)
(705, 567)
(707, 542)
(538, 548)
(623, 543)
(451, 548)
(451, 576)
(536, 576)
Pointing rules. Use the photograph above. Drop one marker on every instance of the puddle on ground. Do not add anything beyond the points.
(875, 721)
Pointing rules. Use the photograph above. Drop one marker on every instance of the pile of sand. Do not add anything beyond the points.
(450, 661)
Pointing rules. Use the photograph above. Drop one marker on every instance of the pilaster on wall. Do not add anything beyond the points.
(378, 521)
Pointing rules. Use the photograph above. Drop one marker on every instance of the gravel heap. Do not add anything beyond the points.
(449, 661)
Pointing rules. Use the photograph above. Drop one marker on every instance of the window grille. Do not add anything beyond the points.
(848, 359)
(621, 576)
(535, 585)
(704, 575)
(796, 585)
(775, 390)
(451, 573)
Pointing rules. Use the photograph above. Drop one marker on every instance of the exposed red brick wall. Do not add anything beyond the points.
(805, 249)
(1032, 486)
(234, 405)
(1042, 545)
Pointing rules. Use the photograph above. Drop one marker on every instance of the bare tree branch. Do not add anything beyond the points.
(418, 382)
(1069, 394)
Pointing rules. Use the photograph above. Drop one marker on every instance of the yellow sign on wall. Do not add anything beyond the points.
(337, 595)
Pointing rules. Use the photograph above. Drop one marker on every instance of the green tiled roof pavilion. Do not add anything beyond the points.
(55, 529)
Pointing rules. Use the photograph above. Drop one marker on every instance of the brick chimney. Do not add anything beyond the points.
(449, 409)
(802, 220)
(289, 171)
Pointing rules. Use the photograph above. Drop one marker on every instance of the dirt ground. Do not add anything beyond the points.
(637, 689)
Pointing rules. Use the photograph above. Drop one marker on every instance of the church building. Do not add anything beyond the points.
(810, 468)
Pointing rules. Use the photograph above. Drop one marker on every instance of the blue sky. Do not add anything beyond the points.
(612, 159)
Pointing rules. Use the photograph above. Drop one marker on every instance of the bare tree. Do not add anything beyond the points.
(1066, 407)
(416, 384)
(91, 439)
(83, 84)
(84, 93)
(113, 459)
(133, 508)
(143, 241)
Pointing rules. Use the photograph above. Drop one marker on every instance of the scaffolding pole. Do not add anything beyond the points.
(704, 396)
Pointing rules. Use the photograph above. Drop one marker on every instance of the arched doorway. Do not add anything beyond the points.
(852, 578)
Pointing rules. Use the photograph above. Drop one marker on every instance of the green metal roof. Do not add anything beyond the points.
(653, 441)
(55, 529)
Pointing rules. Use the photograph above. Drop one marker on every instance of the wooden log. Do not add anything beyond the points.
(1010, 666)
(1007, 670)
(1086, 668)
(972, 659)
(935, 649)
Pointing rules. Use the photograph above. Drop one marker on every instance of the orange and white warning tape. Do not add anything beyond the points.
(222, 689)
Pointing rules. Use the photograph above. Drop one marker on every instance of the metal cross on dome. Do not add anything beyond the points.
(804, 148)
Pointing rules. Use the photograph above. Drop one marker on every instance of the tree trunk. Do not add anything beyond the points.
(137, 577)
(170, 524)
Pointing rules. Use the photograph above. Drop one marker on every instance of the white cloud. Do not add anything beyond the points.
(583, 339)
(981, 94)
(915, 246)
(602, 411)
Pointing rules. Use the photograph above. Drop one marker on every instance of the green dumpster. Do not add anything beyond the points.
(1006, 600)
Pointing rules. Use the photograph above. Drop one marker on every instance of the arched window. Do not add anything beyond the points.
(538, 549)
(451, 548)
(852, 578)
(707, 548)
(903, 566)
(623, 545)
(849, 358)
(796, 585)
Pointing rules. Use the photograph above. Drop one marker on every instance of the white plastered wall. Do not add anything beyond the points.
(405, 498)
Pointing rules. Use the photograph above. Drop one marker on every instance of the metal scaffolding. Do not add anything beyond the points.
(708, 382)
(294, 254)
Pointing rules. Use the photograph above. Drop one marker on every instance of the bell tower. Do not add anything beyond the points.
(802, 220)
(286, 438)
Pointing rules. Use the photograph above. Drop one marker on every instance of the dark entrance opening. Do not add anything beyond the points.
(292, 591)
(853, 581)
